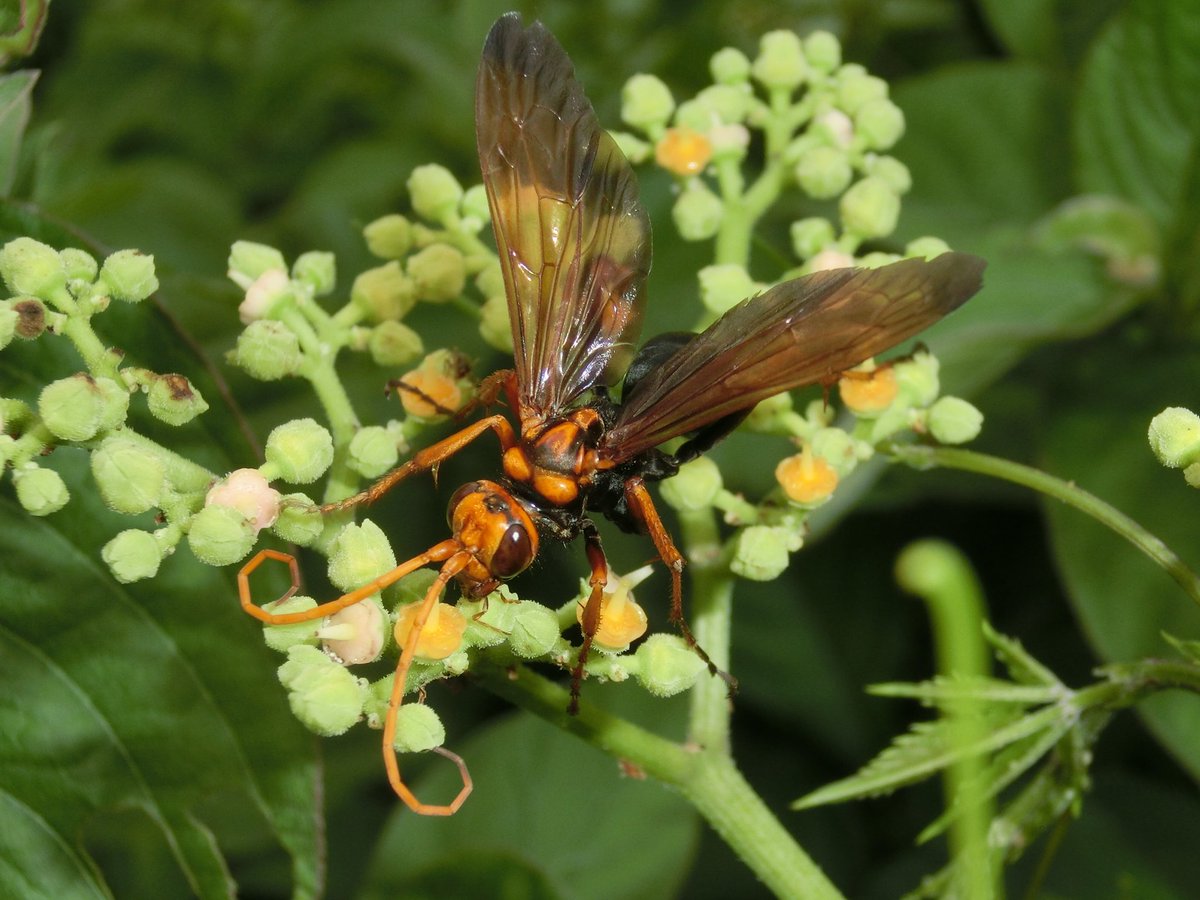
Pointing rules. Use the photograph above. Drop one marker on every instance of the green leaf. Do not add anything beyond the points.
(1137, 121)
(15, 104)
(1124, 602)
(1188, 649)
(549, 814)
(21, 25)
(1021, 664)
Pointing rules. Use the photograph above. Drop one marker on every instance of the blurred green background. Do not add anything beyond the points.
(143, 727)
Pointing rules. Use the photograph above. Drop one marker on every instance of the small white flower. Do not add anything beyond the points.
(247, 491)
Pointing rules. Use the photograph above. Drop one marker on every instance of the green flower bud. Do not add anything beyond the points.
(325, 697)
(283, 638)
(694, 487)
(891, 170)
(535, 630)
(1175, 437)
(133, 555)
(174, 400)
(879, 123)
(729, 103)
(268, 350)
(729, 66)
(439, 273)
(40, 491)
(697, 212)
(917, 379)
(1192, 475)
(760, 553)
(837, 448)
(490, 280)
(926, 248)
(435, 192)
(31, 267)
(316, 269)
(856, 88)
(824, 172)
(266, 296)
(666, 665)
(220, 535)
(129, 275)
(359, 554)
(766, 413)
(780, 61)
(632, 147)
(474, 208)
(74, 408)
(114, 399)
(300, 520)
(31, 317)
(384, 292)
(646, 102)
(389, 237)
(300, 450)
(394, 344)
(358, 633)
(418, 729)
(9, 318)
(896, 417)
(724, 286)
(248, 261)
(870, 208)
(494, 325)
(131, 477)
(694, 116)
(876, 260)
(823, 51)
(953, 420)
(811, 236)
(79, 265)
(372, 451)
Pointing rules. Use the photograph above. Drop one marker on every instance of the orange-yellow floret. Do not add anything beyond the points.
(806, 478)
(868, 391)
(442, 634)
(436, 385)
(622, 620)
(683, 151)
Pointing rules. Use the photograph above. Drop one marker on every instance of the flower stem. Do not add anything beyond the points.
(1070, 494)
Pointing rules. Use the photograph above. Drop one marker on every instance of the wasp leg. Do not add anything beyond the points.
(641, 505)
(590, 623)
(429, 459)
(436, 553)
(453, 565)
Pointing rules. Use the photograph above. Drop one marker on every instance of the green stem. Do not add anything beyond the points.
(709, 780)
(921, 457)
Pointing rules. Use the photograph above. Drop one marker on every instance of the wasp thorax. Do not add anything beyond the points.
(494, 528)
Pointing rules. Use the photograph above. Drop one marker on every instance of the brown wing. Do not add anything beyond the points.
(797, 333)
(574, 242)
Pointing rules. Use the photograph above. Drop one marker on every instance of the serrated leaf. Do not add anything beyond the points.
(954, 688)
(1017, 660)
(925, 750)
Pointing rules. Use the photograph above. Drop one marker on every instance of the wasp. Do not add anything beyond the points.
(574, 247)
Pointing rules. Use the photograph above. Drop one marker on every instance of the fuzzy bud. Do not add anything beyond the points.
(474, 208)
(953, 420)
(780, 62)
(359, 554)
(535, 631)
(133, 555)
(917, 378)
(79, 265)
(318, 270)
(300, 520)
(695, 486)
(811, 236)
(1175, 437)
(389, 237)
(418, 729)
(393, 344)
(40, 491)
(283, 638)
(729, 66)
(870, 208)
(894, 173)
(301, 450)
(174, 400)
(372, 451)
(823, 51)
(823, 172)
(324, 696)
(879, 123)
(667, 666)
(856, 88)
(435, 192)
(761, 552)
(724, 286)
(384, 292)
(130, 476)
(248, 261)
(837, 448)
(129, 275)
(697, 212)
(646, 102)
(268, 350)
(220, 535)
(75, 408)
(728, 103)
(439, 273)
(31, 267)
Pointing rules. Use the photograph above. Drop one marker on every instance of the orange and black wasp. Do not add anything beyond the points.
(574, 248)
